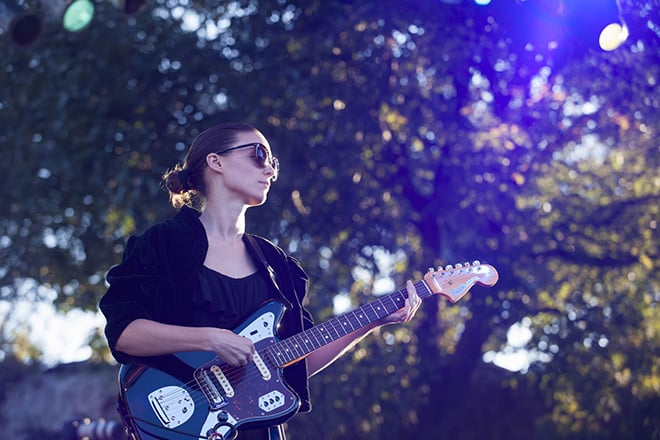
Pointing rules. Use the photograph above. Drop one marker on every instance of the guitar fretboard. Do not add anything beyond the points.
(298, 346)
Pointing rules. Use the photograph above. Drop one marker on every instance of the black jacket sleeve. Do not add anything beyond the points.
(139, 287)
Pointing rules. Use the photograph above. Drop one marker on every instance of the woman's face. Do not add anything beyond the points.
(245, 173)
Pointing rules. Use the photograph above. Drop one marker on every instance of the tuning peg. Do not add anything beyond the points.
(459, 266)
(430, 269)
(476, 263)
(449, 267)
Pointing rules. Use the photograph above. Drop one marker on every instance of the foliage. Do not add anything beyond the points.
(421, 138)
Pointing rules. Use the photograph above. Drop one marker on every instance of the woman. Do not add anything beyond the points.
(187, 282)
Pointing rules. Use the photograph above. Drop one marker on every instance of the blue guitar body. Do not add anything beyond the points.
(197, 395)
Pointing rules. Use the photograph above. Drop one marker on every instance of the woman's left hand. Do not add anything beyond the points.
(406, 313)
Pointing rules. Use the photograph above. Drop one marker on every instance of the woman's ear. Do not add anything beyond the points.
(214, 161)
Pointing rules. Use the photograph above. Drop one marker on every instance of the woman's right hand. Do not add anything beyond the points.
(234, 349)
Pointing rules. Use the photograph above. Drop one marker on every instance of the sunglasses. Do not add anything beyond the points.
(261, 156)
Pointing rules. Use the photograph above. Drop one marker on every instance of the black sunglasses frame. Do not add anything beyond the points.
(261, 156)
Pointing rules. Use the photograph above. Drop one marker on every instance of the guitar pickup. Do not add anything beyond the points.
(222, 380)
(205, 382)
(261, 366)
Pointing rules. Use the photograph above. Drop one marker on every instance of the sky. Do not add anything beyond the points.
(62, 337)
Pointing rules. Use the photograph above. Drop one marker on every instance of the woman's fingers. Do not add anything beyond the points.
(234, 349)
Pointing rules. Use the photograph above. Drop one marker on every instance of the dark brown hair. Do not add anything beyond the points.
(185, 182)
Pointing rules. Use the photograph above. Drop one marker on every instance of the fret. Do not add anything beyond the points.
(398, 301)
(306, 339)
(320, 332)
(426, 292)
(286, 352)
(339, 327)
(360, 317)
(330, 328)
(275, 354)
(310, 341)
(346, 323)
(374, 311)
(269, 357)
(295, 347)
(314, 337)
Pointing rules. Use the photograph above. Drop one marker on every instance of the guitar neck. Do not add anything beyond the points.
(298, 346)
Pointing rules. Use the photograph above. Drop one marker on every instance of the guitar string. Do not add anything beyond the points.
(318, 333)
(322, 338)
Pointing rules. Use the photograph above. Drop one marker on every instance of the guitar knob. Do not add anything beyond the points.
(223, 416)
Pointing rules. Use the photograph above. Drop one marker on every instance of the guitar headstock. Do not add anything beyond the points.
(454, 281)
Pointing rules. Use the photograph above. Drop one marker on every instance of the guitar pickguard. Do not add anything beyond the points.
(263, 327)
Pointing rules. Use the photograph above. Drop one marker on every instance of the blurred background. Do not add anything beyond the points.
(411, 134)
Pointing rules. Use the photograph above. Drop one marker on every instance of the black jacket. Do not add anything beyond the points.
(160, 269)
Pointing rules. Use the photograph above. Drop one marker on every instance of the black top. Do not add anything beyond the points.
(226, 302)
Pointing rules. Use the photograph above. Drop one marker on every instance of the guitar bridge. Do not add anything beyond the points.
(172, 405)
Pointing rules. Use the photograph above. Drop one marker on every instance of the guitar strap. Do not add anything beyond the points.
(276, 433)
(266, 265)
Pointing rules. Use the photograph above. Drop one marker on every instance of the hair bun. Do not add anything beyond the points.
(183, 179)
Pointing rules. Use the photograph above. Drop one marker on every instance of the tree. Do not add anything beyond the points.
(407, 140)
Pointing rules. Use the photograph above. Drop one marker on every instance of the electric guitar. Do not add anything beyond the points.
(197, 395)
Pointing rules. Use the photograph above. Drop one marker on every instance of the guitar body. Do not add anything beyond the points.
(197, 395)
